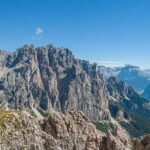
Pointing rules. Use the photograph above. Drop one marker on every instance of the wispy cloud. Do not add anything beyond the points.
(39, 31)
(118, 64)
(37, 35)
(109, 63)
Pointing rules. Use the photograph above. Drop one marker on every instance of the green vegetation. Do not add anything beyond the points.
(9, 116)
(104, 125)
(135, 112)
(138, 124)
(131, 129)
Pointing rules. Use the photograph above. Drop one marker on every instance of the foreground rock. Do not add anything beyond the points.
(143, 143)
(58, 132)
(18, 130)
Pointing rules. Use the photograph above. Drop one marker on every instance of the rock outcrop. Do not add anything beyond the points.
(19, 130)
(142, 143)
(72, 131)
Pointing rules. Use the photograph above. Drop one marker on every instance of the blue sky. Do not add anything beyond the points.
(113, 32)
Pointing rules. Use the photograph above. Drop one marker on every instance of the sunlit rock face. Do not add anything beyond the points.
(50, 77)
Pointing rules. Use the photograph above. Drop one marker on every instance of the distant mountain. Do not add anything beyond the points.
(147, 72)
(146, 92)
(132, 75)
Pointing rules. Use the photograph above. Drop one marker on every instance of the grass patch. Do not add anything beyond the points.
(104, 125)
(7, 117)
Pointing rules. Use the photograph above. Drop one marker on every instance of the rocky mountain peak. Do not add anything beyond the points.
(119, 89)
(48, 78)
(41, 80)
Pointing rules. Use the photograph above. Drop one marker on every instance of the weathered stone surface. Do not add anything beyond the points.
(18, 130)
(49, 77)
(142, 143)
(118, 139)
(72, 131)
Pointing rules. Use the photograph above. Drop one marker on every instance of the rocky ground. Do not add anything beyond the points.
(73, 131)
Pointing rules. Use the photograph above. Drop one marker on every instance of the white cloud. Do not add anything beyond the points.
(109, 63)
(118, 64)
(37, 35)
(39, 31)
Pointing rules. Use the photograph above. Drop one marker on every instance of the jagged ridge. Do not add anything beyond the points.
(50, 77)
(40, 79)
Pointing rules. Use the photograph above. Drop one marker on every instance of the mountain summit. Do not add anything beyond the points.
(46, 78)
(63, 92)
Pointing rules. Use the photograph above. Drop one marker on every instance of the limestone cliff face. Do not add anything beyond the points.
(48, 77)
(72, 131)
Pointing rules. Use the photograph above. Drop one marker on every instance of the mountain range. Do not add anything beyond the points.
(134, 76)
(59, 101)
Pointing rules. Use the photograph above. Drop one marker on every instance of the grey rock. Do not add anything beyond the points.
(49, 78)
(73, 131)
